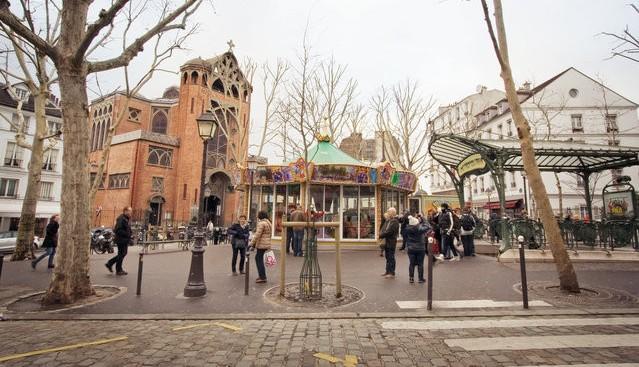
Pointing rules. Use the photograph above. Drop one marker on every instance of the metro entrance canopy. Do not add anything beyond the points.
(461, 156)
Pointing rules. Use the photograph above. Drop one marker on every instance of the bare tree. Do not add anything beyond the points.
(78, 36)
(272, 80)
(627, 43)
(403, 111)
(38, 76)
(567, 276)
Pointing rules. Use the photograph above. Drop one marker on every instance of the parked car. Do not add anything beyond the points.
(8, 242)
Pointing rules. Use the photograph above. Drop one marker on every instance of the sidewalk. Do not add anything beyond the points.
(165, 275)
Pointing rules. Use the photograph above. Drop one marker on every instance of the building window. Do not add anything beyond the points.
(160, 121)
(134, 114)
(53, 127)
(611, 123)
(359, 212)
(119, 181)
(8, 187)
(500, 129)
(509, 124)
(613, 142)
(160, 156)
(23, 94)
(326, 198)
(573, 92)
(157, 184)
(13, 155)
(513, 180)
(46, 190)
(184, 192)
(49, 160)
(102, 181)
(576, 123)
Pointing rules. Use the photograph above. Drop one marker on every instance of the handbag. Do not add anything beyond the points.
(269, 258)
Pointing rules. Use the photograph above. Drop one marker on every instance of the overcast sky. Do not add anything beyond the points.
(443, 45)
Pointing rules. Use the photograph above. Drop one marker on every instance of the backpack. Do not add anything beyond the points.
(467, 222)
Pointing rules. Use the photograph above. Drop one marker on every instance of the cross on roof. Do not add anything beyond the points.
(231, 45)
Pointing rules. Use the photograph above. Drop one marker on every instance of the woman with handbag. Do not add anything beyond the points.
(239, 242)
(262, 242)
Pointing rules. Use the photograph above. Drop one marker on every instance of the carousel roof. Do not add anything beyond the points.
(327, 153)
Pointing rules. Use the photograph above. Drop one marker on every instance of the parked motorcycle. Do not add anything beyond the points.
(102, 240)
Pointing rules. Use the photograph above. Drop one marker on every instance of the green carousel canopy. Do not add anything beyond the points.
(330, 165)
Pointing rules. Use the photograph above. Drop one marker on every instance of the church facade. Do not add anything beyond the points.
(155, 161)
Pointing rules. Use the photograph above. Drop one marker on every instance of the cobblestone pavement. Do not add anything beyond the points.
(292, 343)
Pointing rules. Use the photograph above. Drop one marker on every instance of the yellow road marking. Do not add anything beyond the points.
(191, 326)
(228, 326)
(59, 349)
(350, 360)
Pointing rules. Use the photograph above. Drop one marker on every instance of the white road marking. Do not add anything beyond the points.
(506, 323)
(546, 342)
(470, 303)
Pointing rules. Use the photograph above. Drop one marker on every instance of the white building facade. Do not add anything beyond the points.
(15, 162)
(568, 107)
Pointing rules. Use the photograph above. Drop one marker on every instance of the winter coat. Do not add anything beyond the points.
(467, 221)
(415, 237)
(389, 232)
(446, 221)
(122, 230)
(298, 216)
(240, 235)
(262, 238)
(51, 236)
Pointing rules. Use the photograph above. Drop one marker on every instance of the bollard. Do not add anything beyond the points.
(522, 266)
(140, 263)
(430, 254)
(1, 262)
(247, 266)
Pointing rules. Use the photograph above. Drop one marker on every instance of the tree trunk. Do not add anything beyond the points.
(30, 202)
(561, 195)
(567, 276)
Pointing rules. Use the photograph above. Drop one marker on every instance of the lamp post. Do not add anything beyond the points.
(207, 125)
(523, 176)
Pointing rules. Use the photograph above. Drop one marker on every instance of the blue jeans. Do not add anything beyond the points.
(416, 258)
(298, 237)
(241, 250)
(469, 244)
(48, 251)
(389, 253)
(448, 245)
(259, 261)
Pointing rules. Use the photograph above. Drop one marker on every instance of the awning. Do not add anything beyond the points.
(510, 204)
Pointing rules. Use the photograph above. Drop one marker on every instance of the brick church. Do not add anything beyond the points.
(156, 152)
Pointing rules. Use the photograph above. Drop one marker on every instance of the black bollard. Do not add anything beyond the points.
(522, 266)
(430, 254)
(247, 266)
(140, 263)
(1, 262)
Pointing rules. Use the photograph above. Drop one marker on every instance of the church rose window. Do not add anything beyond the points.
(160, 156)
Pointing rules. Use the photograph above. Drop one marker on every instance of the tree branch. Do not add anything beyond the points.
(16, 25)
(105, 18)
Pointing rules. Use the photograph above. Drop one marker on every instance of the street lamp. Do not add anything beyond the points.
(207, 125)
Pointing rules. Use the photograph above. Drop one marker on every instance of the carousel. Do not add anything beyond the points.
(346, 190)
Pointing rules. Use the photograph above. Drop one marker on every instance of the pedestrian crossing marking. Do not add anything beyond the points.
(546, 342)
(470, 303)
(227, 326)
(191, 326)
(506, 323)
(60, 349)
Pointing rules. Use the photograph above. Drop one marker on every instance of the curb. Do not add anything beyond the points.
(323, 316)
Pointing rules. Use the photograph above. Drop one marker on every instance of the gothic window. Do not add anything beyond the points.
(216, 149)
(194, 77)
(101, 125)
(160, 121)
(119, 181)
(235, 92)
(205, 79)
(157, 184)
(160, 156)
(218, 86)
(185, 78)
(134, 114)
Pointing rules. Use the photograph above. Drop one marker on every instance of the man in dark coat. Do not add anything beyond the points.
(389, 234)
(123, 236)
(50, 242)
(239, 242)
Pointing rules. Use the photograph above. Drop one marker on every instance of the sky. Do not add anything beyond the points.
(442, 44)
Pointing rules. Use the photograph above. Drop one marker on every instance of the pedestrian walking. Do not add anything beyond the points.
(467, 232)
(262, 242)
(123, 237)
(50, 242)
(239, 242)
(449, 252)
(298, 231)
(389, 235)
(415, 241)
(209, 232)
